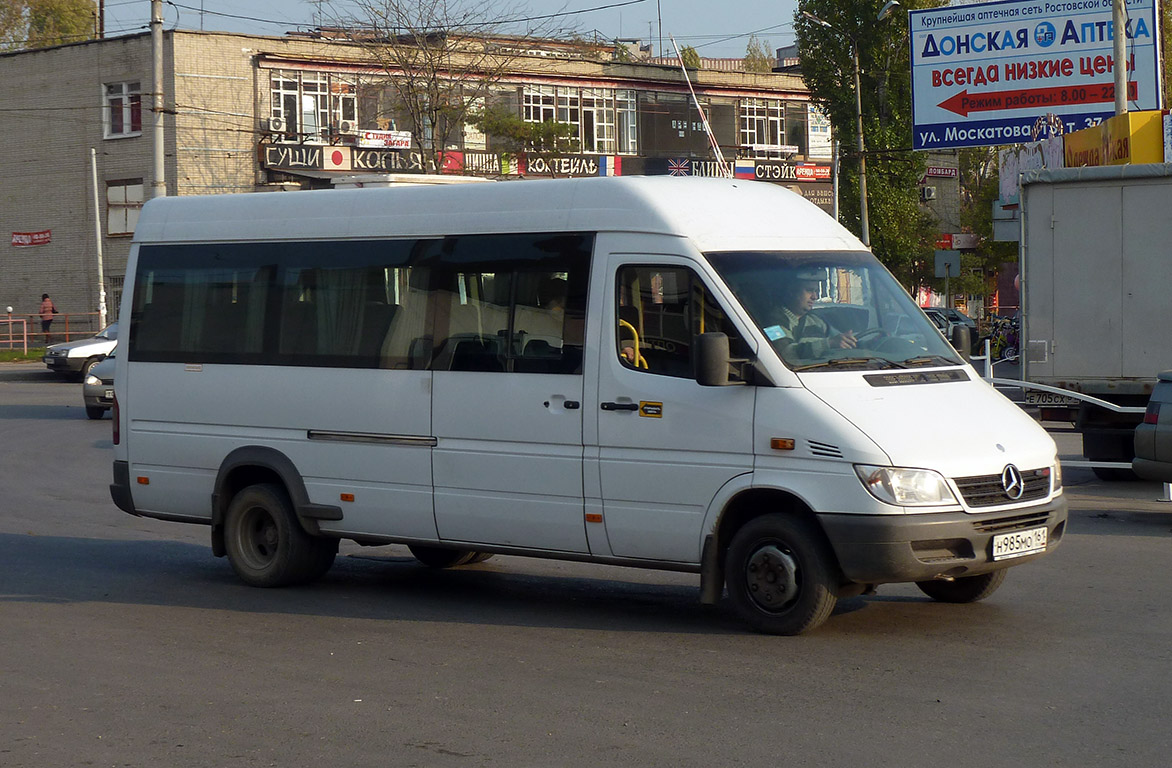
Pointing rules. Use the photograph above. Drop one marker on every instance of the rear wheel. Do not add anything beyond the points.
(95, 411)
(438, 557)
(967, 589)
(780, 575)
(265, 543)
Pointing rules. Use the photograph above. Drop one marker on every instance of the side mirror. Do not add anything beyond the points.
(962, 341)
(711, 359)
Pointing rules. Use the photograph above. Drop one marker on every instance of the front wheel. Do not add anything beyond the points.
(780, 575)
(265, 543)
(967, 589)
(95, 411)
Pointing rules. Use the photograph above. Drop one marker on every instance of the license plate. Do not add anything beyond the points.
(1019, 543)
(1034, 397)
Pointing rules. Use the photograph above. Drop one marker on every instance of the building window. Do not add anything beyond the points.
(763, 128)
(123, 202)
(603, 119)
(123, 110)
(315, 106)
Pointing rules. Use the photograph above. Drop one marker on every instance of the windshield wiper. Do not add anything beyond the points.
(852, 362)
(929, 360)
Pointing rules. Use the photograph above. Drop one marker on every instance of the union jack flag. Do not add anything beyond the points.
(679, 167)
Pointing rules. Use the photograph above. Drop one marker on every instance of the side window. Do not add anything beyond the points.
(513, 303)
(659, 311)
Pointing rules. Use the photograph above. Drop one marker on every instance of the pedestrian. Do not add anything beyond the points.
(48, 309)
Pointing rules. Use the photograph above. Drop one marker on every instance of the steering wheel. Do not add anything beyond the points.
(871, 334)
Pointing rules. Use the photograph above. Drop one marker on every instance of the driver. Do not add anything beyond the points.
(803, 333)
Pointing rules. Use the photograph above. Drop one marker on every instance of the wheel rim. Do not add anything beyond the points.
(772, 578)
(259, 538)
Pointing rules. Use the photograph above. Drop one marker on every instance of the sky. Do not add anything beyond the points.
(714, 28)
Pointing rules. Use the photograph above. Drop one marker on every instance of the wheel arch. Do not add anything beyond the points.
(254, 464)
(741, 507)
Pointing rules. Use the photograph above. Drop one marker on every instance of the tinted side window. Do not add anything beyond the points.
(485, 303)
(511, 303)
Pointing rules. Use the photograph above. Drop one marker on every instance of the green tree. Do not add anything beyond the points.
(757, 58)
(691, 57)
(902, 232)
(520, 138)
(980, 185)
(44, 23)
(440, 58)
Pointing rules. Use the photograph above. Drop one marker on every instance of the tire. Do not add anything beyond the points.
(479, 557)
(265, 543)
(95, 411)
(438, 557)
(780, 575)
(1010, 354)
(88, 366)
(967, 589)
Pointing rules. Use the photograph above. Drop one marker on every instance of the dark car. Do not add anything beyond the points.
(1153, 438)
(956, 317)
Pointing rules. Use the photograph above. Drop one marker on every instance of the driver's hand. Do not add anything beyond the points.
(845, 340)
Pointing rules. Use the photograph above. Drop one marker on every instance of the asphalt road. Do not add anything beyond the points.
(123, 642)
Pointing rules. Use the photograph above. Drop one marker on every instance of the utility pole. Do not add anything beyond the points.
(1119, 53)
(159, 182)
(98, 239)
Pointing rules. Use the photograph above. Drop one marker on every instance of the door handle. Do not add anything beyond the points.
(620, 406)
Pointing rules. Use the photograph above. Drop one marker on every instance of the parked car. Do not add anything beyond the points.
(1153, 438)
(97, 387)
(940, 320)
(956, 317)
(79, 357)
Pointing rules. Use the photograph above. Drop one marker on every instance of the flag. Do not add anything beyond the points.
(610, 165)
(679, 167)
(745, 169)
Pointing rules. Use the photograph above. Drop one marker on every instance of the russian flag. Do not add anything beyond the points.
(745, 169)
(610, 165)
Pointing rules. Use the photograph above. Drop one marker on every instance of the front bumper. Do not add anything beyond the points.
(66, 364)
(881, 549)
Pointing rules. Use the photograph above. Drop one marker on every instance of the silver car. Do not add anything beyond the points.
(78, 357)
(1153, 438)
(97, 388)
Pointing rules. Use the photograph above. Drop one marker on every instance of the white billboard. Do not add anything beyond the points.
(983, 74)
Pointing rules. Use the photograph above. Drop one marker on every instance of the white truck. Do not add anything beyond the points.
(1096, 268)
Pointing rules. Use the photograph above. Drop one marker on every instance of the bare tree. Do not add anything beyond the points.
(440, 59)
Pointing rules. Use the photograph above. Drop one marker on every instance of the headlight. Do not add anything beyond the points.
(93, 380)
(1056, 474)
(905, 487)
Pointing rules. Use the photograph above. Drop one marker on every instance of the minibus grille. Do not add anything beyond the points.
(825, 449)
(987, 490)
(1012, 522)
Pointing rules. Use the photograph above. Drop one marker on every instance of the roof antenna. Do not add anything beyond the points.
(725, 171)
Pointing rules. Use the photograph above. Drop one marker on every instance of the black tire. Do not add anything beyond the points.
(437, 557)
(479, 557)
(967, 589)
(95, 411)
(88, 366)
(265, 543)
(781, 575)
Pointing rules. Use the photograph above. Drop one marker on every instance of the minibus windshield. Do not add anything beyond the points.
(826, 311)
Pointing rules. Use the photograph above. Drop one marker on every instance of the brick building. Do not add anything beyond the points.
(248, 113)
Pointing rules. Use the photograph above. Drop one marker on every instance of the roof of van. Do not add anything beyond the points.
(715, 214)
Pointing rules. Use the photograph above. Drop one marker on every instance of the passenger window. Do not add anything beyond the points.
(512, 303)
(659, 312)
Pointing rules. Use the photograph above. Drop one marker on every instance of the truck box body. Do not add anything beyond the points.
(1095, 274)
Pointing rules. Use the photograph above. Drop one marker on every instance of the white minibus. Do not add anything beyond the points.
(699, 375)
